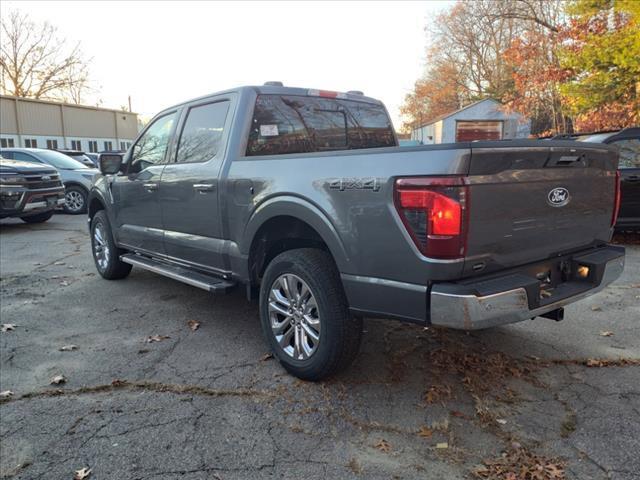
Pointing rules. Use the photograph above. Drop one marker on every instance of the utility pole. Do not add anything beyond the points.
(129, 103)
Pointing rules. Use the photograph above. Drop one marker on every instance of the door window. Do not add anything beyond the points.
(151, 148)
(25, 157)
(629, 152)
(202, 133)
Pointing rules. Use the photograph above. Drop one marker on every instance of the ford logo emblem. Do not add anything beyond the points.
(558, 197)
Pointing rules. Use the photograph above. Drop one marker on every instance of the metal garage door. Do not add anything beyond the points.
(467, 131)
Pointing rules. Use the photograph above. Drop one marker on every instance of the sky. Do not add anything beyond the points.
(162, 53)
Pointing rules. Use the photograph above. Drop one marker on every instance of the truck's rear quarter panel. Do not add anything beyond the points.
(354, 190)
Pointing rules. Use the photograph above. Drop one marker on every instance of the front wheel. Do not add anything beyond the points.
(106, 254)
(305, 316)
(75, 200)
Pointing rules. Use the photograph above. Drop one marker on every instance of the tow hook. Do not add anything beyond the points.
(557, 314)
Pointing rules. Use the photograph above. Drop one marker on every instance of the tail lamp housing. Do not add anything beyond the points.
(616, 205)
(435, 212)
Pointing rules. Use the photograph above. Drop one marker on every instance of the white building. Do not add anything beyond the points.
(482, 120)
(26, 122)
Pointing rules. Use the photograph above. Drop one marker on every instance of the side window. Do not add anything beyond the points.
(629, 152)
(150, 149)
(277, 128)
(202, 133)
(25, 157)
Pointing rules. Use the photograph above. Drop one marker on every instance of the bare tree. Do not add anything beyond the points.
(35, 62)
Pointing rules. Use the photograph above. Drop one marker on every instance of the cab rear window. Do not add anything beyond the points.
(285, 124)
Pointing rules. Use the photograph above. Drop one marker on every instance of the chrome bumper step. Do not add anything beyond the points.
(184, 275)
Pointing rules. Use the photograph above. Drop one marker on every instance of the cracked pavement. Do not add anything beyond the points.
(207, 404)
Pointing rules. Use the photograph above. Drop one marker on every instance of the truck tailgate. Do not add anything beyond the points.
(535, 200)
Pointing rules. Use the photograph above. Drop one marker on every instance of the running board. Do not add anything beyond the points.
(200, 280)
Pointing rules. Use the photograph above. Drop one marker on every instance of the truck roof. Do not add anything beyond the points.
(283, 90)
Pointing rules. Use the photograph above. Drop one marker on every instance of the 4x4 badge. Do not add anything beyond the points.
(558, 197)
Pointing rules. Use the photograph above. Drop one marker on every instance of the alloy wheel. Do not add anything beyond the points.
(74, 200)
(100, 247)
(294, 316)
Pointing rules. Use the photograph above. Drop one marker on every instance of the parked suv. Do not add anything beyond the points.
(75, 176)
(304, 197)
(30, 192)
(79, 156)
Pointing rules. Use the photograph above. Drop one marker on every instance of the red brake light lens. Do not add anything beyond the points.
(434, 211)
(444, 213)
(616, 206)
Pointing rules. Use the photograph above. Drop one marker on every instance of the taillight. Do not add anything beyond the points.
(435, 212)
(616, 205)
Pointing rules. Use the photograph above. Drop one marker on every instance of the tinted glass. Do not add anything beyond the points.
(202, 132)
(25, 157)
(150, 149)
(298, 124)
(629, 152)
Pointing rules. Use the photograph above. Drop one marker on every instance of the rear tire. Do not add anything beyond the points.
(38, 218)
(75, 200)
(301, 289)
(106, 255)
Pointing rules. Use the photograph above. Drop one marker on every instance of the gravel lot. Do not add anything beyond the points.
(553, 399)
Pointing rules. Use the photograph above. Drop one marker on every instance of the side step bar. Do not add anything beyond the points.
(196, 279)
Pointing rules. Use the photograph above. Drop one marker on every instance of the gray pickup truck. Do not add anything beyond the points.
(305, 197)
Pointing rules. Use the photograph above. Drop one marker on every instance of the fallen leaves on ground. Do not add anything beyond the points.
(438, 393)
(82, 473)
(355, 466)
(68, 348)
(425, 432)
(606, 333)
(193, 325)
(519, 464)
(596, 308)
(156, 338)
(442, 445)
(7, 327)
(6, 394)
(58, 379)
(383, 445)
(266, 356)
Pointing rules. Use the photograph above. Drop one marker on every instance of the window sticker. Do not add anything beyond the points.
(268, 130)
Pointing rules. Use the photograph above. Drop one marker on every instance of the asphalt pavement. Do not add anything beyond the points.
(556, 400)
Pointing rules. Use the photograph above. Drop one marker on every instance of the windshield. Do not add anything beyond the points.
(60, 160)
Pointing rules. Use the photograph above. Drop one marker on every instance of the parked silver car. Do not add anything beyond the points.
(75, 176)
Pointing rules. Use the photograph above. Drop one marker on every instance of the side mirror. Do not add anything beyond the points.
(110, 163)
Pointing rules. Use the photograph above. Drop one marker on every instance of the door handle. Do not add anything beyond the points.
(632, 178)
(203, 187)
(150, 187)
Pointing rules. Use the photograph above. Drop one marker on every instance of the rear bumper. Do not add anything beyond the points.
(515, 296)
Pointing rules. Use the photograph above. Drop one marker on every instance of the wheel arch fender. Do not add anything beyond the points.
(303, 210)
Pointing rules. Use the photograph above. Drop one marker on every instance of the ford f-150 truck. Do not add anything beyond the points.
(304, 197)
(30, 192)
